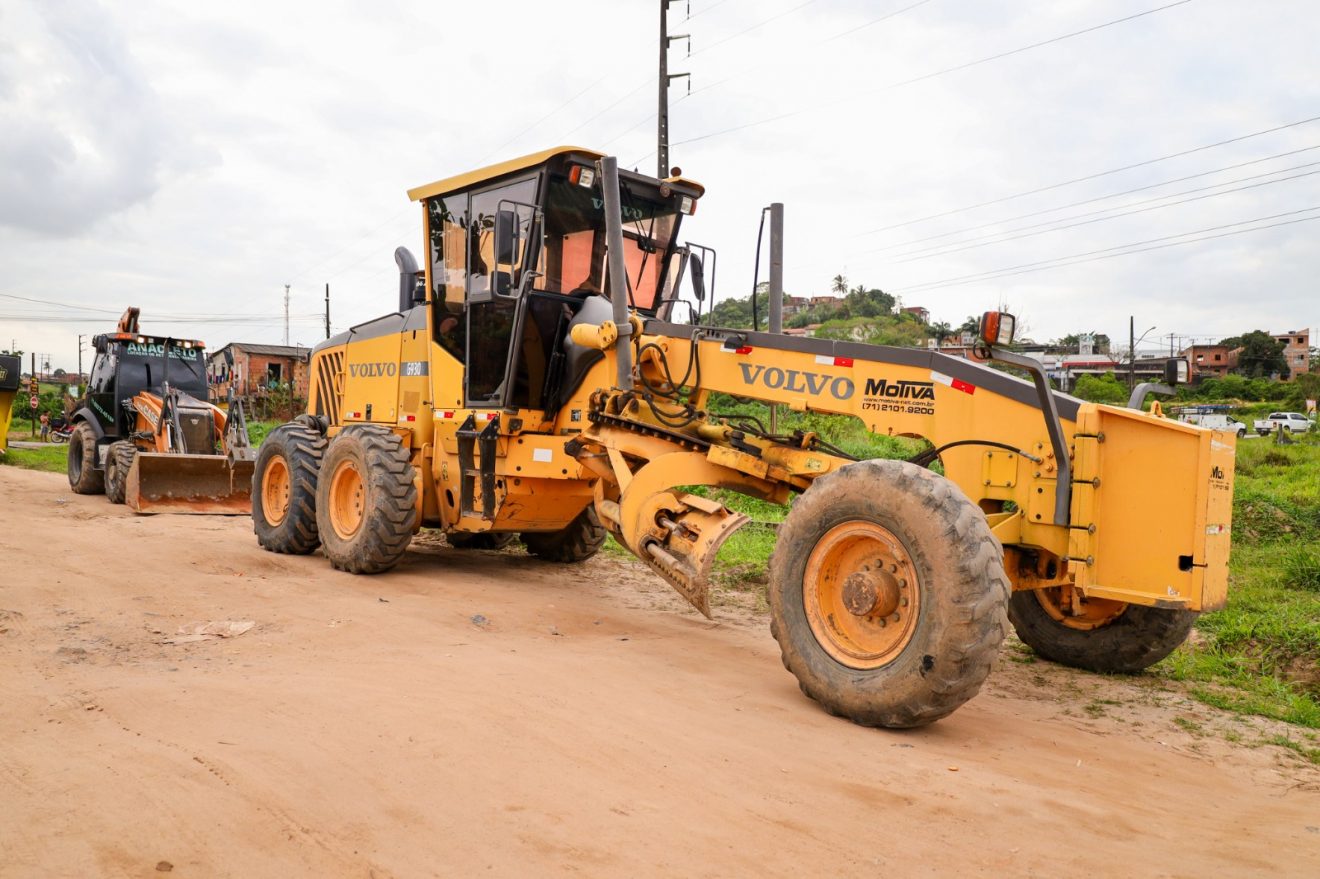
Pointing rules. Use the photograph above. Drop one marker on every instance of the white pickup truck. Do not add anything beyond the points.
(1288, 422)
(1214, 417)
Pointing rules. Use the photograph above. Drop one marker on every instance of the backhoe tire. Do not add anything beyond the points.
(284, 489)
(1133, 640)
(366, 501)
(576, 542)
(84, 478)
(888, 594)
(118, 460)
(482, 540)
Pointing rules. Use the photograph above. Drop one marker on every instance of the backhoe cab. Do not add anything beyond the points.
(536, 384)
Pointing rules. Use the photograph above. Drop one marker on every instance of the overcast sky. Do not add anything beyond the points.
(192, 158)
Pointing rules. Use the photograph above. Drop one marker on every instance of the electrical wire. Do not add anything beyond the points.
(1097, 198)
(1097, 175)
(851, 99)
(945, 250)
(1113, 252)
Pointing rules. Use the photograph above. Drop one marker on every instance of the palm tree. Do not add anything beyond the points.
(839, 285)
(942, 331)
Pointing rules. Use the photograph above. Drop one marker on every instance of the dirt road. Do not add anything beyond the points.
(486, 714)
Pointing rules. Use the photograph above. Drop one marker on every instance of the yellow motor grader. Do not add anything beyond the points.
(534, 383)
(146, 435)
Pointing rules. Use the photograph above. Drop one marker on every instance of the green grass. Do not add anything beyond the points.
(258, 430)
(51, 459)
(1261, 654)
(741, 564)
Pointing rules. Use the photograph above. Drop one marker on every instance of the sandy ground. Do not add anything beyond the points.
(479, 713)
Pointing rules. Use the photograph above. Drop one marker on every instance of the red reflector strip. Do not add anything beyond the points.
(355, 415)
(826, 360)
(410, 418)
(447, 414)
(956, 383)
(741, 349)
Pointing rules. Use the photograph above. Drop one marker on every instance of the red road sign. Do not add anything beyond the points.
(33, 401)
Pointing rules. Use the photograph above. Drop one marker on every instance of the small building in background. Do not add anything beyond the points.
(1296, 350)
(1208, 361)
(257, 370)
(919, 313)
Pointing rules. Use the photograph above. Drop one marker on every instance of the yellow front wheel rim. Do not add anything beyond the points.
(275, 486)
(861, 594)
(347, 500)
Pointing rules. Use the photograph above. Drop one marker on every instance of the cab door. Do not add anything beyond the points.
(493, 283)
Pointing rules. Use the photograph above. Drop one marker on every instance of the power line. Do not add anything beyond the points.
(1095, 176)
(852, 30)
(750, 69)
(928, 76)
(933, 252)
(1097, 198)
(759, 24)
(1112, 252)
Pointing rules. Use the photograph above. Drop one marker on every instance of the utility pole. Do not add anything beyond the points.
(1132, 352)
(81, 336)
(286, 313)
(327, 309)
(662, 114)
(33, 412)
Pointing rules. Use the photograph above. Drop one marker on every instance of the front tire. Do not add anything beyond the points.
(118, 460)
(366, 501)
(84, 478)
(576, 542)
(887, 594)
(1111, 637)
(284, 489)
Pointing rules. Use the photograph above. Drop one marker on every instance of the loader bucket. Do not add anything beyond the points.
(176, 483)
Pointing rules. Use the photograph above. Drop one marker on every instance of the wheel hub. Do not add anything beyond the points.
(860, 592)
(871, 592)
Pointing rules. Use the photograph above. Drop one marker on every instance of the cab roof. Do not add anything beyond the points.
(512, 166)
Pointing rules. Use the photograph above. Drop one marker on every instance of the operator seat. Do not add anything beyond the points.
(578, 360)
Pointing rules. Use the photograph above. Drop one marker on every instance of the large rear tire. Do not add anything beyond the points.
(118, 460)
(576, 542)
(366, 501)
(1108, 636)
(284, 489)
(887, 594)
(84, 478)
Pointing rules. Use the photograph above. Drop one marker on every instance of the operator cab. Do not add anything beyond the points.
(128, 363)
(517, 255)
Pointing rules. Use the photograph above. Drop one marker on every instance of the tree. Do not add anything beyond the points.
(1261, 354)
(1100, 389)
(59, 373)
(839, 285)
(971, 325)
(942, 331)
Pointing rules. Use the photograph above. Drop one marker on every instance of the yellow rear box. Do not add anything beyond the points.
(1152, 509)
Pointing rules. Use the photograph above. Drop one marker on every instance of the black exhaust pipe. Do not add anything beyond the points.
(409, 284)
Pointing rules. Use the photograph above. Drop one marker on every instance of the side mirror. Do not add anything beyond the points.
(997, 328)
(506, 237)
(1176, 372)
(698, 277)
(99, 343)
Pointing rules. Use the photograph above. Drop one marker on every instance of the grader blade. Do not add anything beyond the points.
(176, 483)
